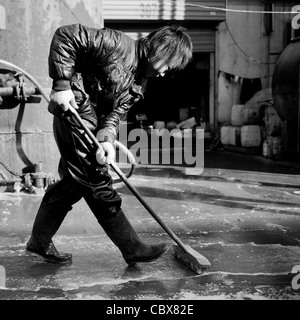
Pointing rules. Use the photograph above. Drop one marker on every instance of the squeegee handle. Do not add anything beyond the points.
(128, 184)
(147, 207)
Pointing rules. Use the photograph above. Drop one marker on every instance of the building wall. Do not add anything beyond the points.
(26, 30)
(248, 48)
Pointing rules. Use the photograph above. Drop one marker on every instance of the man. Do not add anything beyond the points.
(101, 73)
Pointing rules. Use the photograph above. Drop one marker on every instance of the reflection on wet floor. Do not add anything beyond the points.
(222, 200)
(98, 270)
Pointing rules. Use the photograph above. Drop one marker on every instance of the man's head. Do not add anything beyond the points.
(168, 48)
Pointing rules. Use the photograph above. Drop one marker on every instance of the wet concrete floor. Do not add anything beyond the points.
(246, 222)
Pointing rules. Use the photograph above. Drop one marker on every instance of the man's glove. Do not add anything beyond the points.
(61, 101)
(106, 154)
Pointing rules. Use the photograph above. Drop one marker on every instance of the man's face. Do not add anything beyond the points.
(155, 69)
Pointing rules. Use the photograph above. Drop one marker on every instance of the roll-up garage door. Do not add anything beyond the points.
(141, 10)
(203, 39)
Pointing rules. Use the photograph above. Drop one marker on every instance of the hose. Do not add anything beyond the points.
(42, 91)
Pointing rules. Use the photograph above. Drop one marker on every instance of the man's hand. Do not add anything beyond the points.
(63, 100)
(106, 154)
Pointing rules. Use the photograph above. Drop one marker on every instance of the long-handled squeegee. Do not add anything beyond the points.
(184, 253)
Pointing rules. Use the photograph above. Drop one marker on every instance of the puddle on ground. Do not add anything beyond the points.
(271, 193)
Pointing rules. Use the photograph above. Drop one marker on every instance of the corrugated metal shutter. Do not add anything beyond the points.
(164, 10)
(203, 39)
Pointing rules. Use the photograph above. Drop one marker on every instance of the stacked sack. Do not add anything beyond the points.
(252, 123)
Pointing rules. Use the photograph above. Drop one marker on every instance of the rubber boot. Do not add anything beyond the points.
(133, 249)
(46, 224)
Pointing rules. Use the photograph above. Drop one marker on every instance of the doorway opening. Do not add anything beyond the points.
(175, 97)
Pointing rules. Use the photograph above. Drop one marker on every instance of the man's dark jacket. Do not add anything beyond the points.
(103, 68)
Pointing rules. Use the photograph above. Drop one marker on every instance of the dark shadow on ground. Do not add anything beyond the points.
(236, 161)
(218, 200)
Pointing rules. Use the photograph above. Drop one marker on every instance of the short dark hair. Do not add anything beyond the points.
(170, 44)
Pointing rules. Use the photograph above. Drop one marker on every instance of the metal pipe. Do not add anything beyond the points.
(9, 91)
(28, 76)
(4, 182)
